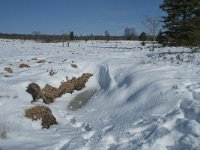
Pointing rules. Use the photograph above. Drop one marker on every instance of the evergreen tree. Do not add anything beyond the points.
(71, 36)
(182, 22)
(143, 37)
(160, 38)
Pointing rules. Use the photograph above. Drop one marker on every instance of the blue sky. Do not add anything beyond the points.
(81, 16)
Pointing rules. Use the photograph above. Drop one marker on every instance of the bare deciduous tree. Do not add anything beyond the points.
(130, 33)
(152, 26)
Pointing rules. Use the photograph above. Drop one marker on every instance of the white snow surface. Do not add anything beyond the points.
(144, 100)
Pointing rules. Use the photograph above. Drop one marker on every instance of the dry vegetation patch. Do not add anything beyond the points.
(41, 61)
(24, 66)
(50, 62)
(34, 58)
(8, 69)
(49, 93)
(41, 112)
(3, 135)
(74, 66)
(74, 84)
(7, 76)
(35, 91)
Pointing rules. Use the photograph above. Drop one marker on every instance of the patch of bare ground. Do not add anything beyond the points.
(34, 58)
(41, 112)
(41, 61)
(8, 69)
(24, 66)
(49, 93)
(50, 62)
(74, 66)
(7, 76)
(3, 135)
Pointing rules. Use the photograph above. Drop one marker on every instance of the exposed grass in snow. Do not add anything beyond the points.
(8, 69)
(74, 66)
(4, 126)
(49, 93)
(41, 112)
(2, 134)
(24, 66)
(41, 61)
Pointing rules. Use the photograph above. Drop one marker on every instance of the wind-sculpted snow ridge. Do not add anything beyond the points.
(104, 77)
(136, 99)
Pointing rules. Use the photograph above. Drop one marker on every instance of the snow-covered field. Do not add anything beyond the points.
(140, 99)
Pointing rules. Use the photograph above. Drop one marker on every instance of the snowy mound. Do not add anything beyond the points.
(135, 99)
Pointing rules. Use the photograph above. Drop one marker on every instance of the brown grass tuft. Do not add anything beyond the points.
(35, 91)
(67, 87)
(24, 66)
(81, 81)
(75, 83)
(41, 112)
(8, 69)
(49, 93)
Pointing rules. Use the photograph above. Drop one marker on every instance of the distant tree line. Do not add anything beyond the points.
(129, 33)
(58, 38)
(39, 37)
(106, 37)
(66, 37)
